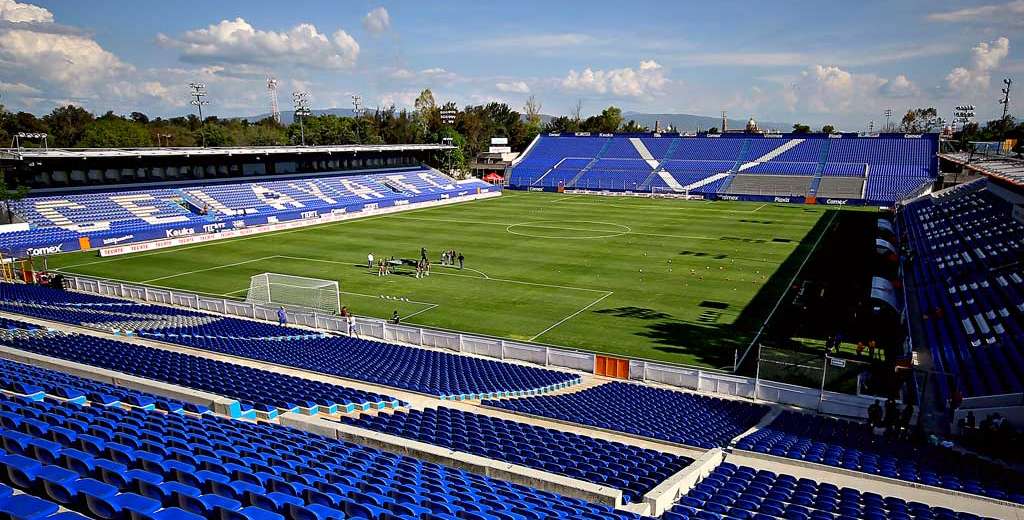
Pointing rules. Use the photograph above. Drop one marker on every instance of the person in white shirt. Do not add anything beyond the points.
(369, 261)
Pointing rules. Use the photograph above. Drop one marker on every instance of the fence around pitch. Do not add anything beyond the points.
(543, 355)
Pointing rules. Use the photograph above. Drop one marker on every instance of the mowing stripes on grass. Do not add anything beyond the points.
(635, 294)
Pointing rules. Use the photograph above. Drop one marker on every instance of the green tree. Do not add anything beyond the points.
(608, 121)
(799, 128)
(920, 121)
(66, 125)
(632, 127)
(713, 130)
(828, 129)
(115, 132)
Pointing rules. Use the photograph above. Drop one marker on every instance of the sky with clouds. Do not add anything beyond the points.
(813, 62)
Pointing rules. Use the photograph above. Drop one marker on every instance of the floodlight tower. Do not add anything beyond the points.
(198, 91)
(301, 101)
(275, 110)
(887, 114)
(1006, 103)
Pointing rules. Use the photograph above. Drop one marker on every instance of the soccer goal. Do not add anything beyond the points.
(665, 191)
(294, 291)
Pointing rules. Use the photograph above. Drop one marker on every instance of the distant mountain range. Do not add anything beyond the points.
(680, 122)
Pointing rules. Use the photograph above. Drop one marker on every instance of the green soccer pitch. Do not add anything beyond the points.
(687, 282)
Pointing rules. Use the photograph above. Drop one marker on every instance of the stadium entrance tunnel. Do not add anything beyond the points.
(568, 229)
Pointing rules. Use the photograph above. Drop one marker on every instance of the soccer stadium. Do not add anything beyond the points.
(449, 309)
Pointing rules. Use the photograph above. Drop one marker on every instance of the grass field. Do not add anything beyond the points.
(680, 281)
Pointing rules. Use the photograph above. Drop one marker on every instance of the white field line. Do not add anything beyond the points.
(796, 275)
(503, 280)
(481, 273)
(421, 311)
(261, 235)
(573, 315)
(561, 228)
(186, 273)
(681, 205)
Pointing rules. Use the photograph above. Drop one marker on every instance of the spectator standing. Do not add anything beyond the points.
(462, 261)
(395, 318)
(352, 326)
(875, 414)
(423, 253)
(892, 412)
(282, 316)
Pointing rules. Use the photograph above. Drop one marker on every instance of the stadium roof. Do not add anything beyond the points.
(19, 154)
(1003, 168)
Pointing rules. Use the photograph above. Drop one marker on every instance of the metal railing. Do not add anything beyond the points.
(542, 355)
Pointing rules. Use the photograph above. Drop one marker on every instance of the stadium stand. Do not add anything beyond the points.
(78, 389)
(112, 463)
(420, 370)
(852, 445)
(679, 417)
(118, 217)
(632, 470)
(887, 168)
(267, 392)
(744, 492)
(963, 267)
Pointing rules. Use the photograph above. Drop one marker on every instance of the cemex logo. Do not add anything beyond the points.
(730, 197)
(836, 202)
(48, 250)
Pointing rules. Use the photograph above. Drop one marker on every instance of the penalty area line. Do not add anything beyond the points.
(573, 315)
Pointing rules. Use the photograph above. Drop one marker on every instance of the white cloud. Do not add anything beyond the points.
(985, 57)
(400, 99)
(1012, 11)
(238, 42)
(648, 79)
(377, 20)
(513, 86)
(20, 89)
(12, 11)
(828, 89)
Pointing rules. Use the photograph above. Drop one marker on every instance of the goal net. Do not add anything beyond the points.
(294, 291)
(665, 191)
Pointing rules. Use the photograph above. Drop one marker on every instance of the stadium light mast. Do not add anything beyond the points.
(1006, 103)
(198, 91)
(887, 114)
(301, 101)
(275, 110)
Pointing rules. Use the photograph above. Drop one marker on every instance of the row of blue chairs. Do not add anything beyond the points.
(680, 417)
(115, 464)
(634, 471)
(268, 393)
(851, 445)
(443, 374)
(744, 493)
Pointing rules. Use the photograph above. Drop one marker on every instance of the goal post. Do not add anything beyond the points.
(294, 291)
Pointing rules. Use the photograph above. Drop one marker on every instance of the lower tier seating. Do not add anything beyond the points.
(427, 371)
(266, 392)
(852, 445)
(745, 493)
(632, 470)
(679, 417)
(774, 185)
(114, 464)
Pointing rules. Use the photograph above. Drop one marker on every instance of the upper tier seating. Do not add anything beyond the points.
(657, 413)
(894, 166)
(267, 392)
(852, 445)
(427, 371)
(115, 464)
(745, 493)
(965, 273)
(632, 470)
(116, 217)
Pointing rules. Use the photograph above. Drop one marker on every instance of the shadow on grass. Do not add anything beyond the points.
(716, 344)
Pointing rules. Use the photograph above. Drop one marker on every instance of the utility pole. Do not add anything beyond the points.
(198, 93)
(301, 100)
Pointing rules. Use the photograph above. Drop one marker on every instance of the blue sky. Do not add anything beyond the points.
(813, 62)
